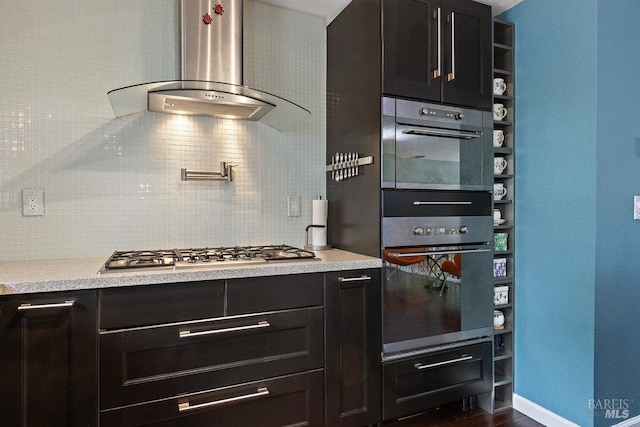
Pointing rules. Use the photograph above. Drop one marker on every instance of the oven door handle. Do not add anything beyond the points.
(445, 133)
(460, 251)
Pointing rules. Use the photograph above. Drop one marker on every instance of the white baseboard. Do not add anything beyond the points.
(631, 422)
(551, 419)
(540, 414)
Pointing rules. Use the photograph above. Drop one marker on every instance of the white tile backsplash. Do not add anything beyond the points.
(114, 184)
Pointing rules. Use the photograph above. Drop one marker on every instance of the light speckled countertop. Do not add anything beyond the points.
(21, 277)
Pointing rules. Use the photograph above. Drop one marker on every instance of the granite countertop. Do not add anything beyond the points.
(21, 277)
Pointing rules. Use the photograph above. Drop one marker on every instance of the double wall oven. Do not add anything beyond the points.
(436, 225)
(436, 230)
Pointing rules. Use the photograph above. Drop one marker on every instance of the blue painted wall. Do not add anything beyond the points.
(617, 353)
(556, 161)
(578, 247)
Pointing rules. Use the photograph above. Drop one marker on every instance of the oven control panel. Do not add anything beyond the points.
(420, 231)
(439, 231)
(443, 114)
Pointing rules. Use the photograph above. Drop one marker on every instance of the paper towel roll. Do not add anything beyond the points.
(319, 211)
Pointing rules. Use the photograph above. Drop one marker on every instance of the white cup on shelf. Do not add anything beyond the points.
(499, 165)
(499, 86)
(498, 137)
(499, 191)
(499, 111)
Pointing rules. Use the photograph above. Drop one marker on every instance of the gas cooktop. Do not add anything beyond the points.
(205, 257)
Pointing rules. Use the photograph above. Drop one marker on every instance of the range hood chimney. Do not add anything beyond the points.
(211, 83)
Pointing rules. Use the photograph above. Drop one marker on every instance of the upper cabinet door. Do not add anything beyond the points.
(437, 50)
(467, 34)
(410, 45)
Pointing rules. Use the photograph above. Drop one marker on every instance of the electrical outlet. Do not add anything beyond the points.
(293, 205)
(636, 207)
(32, 202)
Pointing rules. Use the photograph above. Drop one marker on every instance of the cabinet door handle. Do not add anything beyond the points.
(352, 282)
(446, 362)
(353, 279)
(188, 334)
(452, 75)
(437, 72)
(186, 406)
(24, 307)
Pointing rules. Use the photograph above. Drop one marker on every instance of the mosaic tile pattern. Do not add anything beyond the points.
(115, 183)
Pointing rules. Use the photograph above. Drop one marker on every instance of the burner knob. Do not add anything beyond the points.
(463, 229)
(418, 231)
(458, 116)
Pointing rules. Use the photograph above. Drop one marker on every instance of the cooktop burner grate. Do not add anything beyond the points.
(121, 260)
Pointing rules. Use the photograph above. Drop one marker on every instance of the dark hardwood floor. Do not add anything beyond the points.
(453, 416)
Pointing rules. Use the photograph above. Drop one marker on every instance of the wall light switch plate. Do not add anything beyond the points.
(32, 202)
(293, 205)
(636, 207)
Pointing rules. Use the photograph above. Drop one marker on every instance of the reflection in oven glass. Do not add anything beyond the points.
(420, 305)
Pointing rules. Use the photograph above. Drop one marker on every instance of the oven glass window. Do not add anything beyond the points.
(425, 159)
(441, 295)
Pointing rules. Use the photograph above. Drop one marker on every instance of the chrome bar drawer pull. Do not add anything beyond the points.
(186, 406)
(446, 362)
(188, 334)
(24, 307)
(419, 203)
(353, 279)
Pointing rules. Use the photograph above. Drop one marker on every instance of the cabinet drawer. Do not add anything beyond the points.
(270, 293)
(284, 401)
(150, 363)
(415, 384)
(166, 303)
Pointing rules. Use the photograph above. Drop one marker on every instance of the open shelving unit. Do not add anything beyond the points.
(501, 397)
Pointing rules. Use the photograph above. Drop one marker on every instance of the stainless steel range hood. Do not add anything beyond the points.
(211, 64)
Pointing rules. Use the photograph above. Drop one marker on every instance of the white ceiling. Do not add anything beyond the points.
(329, 9)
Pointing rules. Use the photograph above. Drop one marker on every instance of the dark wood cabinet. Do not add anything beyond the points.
(412, 48)
(48, 354)
(248, 351)
(437, 50)
(353, 344)
(415, 384)
(144, 364)
(136, 306)
(280, 350)
(283, 401)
